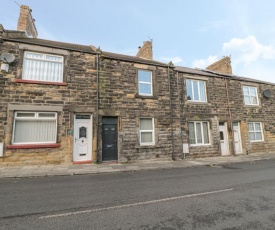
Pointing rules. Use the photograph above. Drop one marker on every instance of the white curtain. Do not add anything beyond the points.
(146, 130)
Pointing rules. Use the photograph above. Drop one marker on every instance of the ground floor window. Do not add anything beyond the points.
(255, 131)
(34, 127)
(198, 133)
(146, 131)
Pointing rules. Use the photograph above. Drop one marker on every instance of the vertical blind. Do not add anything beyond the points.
(31, 128)
(146, 130)
(43, 67)
(198, 132)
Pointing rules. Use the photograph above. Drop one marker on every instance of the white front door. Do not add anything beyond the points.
(82, 138)
(224, 139)
(237, 138)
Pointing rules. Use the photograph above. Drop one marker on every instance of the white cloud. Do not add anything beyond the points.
(249, 58)
(203, 63)
(175, 60)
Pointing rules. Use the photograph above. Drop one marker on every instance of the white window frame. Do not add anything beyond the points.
(147, 131)
(43, 59)
(248, 95)
(255, 131)
(34, 118)
(195, 131)
(144, 82)
(199, 92)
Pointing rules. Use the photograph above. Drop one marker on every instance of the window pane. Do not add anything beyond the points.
(25, 115)
(36, 67)
(146, 137)
(251, 136)
(258, 136)
(245, 90)
(247, 100)
(205, 133)
(144, 76)
(202, 91)
(146, 124)
(253, 100)
(46, 114)
(198, 133)
(189, 90)
(192, 133)
(257, 126)
(252, 91)
(250, 127)
(145, 89)
(196, 90)
(35, 131)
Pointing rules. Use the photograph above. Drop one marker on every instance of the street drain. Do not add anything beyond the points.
(230, 167)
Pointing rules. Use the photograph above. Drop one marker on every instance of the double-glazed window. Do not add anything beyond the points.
(198, 133)
(196, 90)
(42, 67)
(145, 86)
(250, 95)
(34, 127)
(146, 129)
(255, 131)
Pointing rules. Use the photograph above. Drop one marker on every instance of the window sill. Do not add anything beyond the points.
(249, 106)
(257, 141)
(40, 82)
(200, 145)
(33, 146)
(146, 146)
(197, 102)
(145, 97)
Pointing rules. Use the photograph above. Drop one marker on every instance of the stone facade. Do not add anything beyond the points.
(107, 87)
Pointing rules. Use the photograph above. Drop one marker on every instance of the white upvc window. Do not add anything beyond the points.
(146, 131)
(34, 127)
(250, 95)
(145, 83)
(42, 67)
(255, 131)
(196, 90)
(198, 133)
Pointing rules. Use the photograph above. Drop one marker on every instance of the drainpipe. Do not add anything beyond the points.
(230, 118)
(171, 112)
(97, 104)
(182, 153)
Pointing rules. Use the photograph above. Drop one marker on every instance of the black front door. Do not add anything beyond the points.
(109, 139)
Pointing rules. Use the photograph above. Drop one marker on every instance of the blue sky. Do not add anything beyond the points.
(189, 33)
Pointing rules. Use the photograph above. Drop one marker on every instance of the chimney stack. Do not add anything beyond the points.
(146, 51)
(221, 66)
(26, 22)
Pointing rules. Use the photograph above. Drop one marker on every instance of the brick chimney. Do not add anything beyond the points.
(221, 66)
(146, 51)
(26, 22)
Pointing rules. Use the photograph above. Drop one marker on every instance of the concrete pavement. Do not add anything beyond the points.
(78, 169)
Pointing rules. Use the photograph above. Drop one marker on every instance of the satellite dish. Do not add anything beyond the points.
(267, 93)
(7, 58)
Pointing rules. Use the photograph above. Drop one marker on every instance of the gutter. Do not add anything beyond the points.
(171, 114)
(97, 105)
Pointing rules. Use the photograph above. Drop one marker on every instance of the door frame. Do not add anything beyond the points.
(225, 138)
(89, 138)
(240, 138)
(114, 122)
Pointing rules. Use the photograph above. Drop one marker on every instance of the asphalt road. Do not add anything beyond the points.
(236, 196)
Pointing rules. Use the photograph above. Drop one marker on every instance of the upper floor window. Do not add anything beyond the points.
(146, 129)
(34, 127)
(250, 95)
(198, 133)
(42, 67)
(196, 90)
(255, 131)
(145, 83)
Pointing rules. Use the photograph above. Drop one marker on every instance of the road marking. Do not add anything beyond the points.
(135, 204)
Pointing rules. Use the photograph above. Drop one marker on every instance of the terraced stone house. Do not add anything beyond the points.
(68, 103)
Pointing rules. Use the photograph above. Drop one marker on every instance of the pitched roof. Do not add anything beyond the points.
(209, 73)
(18, 36)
